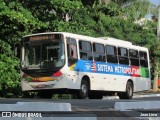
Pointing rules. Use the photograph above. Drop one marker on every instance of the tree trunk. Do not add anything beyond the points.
(155, 83)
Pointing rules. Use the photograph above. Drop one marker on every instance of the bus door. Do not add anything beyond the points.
(72, 56)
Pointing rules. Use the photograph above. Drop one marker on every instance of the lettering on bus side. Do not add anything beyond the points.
(105, 68)
(133, 70)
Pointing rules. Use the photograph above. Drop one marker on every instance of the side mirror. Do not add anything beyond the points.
(17, 50)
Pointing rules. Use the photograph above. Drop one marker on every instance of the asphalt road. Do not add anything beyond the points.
(105, 104)
(104, 109)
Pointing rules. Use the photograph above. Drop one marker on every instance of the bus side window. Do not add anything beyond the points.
(85, 50)
(143, 59)
(111, 53)
(98, 51)
(123, 56)
(134, 57)
(72, 51)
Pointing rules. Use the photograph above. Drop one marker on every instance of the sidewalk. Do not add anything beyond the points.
(148, 93)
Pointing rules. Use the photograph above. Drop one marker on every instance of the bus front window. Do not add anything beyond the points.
(52, 55)
(43, 55)
(32, 56)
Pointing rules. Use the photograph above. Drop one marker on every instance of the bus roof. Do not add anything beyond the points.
(103, 40)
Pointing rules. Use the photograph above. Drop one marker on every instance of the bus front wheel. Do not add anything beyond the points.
(128, 94)
(83, 92)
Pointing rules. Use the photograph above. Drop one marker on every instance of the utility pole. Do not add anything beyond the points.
(155, 84)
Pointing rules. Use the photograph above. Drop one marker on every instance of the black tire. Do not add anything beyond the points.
(95, 95)
(84, 89)
(129, 91)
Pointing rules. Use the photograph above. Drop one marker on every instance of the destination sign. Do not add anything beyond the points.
(45, 37)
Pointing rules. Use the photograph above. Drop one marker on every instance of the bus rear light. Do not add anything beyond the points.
(57, 74)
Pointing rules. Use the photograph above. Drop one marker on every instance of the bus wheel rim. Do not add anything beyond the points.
(84, 89)
(129, 89)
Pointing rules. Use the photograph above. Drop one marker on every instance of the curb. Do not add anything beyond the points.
(134, 96)
(148, 95)
(110, 97)
(38, 106)
(137, 105)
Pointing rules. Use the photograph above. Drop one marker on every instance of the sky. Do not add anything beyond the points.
(156, 2)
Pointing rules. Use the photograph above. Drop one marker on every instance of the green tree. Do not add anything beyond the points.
(15, 22)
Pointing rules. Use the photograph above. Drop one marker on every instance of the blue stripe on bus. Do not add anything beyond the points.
(106, 68)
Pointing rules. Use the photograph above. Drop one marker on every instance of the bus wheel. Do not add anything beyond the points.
(83, 92)
(129, 92)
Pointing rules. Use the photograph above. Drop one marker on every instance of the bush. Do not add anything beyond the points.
(9, 75)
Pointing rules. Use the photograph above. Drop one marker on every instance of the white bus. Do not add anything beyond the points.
(89, 67)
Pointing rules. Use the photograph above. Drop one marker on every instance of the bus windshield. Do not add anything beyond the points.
(43, 55)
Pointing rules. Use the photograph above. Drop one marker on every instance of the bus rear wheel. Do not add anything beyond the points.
(84, 89)
(129, 92)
